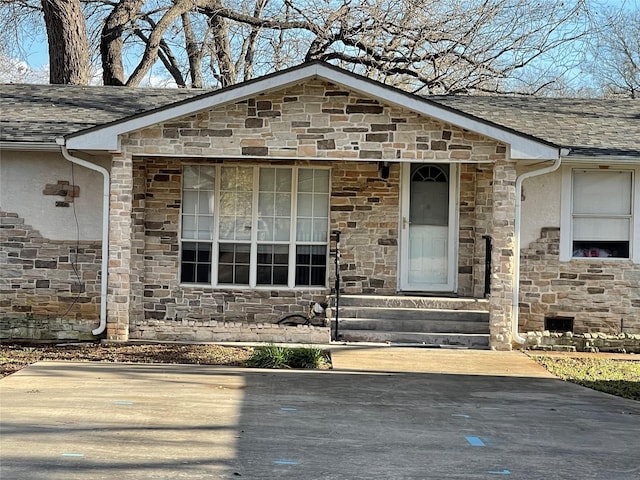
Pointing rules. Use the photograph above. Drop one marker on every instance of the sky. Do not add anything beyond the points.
(33, 66)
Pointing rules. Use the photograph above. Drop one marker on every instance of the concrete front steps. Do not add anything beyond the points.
(432, 321)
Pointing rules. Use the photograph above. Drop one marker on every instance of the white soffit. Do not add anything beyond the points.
(106, 137)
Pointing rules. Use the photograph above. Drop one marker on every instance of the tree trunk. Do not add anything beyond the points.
(111, 41)
(67, 36)
(194, 52)
(222, 47)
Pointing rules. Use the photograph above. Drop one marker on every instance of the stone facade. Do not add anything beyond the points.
(363, 206)
(49, 289)
(314, 124)
(600, 295)
(315, 121)
(163, 309)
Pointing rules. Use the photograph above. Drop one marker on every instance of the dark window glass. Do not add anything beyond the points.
(273, 261)
(233, 263)
(311, 263)
(196, 263)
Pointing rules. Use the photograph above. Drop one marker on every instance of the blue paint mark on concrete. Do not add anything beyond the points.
(475, 441)
(503, 472)
(286, 462)
(288, 409)
(460, 415)
(123, 402)
(73, 455)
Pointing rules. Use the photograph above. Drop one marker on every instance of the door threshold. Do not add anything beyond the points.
(410, 293)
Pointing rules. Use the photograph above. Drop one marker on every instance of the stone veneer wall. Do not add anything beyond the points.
(170, 311)
(362, 206)
(502, 255)
(41, 297)
(476, 197)
(314, 123)
(365, 209)
(596, 293)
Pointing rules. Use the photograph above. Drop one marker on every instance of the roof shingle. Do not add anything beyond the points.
(588, 126)
(40, 113)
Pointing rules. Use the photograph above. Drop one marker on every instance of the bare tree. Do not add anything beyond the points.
(616, 63)
(439, 46)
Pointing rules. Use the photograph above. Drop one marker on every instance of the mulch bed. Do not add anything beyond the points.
(14, 357)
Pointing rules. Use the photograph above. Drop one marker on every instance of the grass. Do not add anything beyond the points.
(276, 356)
(617, 377)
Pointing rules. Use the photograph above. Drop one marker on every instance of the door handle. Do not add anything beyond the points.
(405, 222)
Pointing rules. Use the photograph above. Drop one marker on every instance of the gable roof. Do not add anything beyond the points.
(590, 127)
(106, 137)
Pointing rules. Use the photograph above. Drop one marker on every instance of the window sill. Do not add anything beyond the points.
(599, 259)
(260, 287)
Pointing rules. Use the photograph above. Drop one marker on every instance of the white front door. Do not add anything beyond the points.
(427, 236)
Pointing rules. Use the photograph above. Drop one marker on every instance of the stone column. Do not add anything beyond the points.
(138, 211)
(120, 243)
(502, 258)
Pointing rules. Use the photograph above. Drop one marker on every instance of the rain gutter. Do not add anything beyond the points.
(105, 230)
(518, 221)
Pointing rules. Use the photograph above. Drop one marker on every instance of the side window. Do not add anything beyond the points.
(601, 219)
(274, 226)
(312, 222)
(198, 189)
(235, 225)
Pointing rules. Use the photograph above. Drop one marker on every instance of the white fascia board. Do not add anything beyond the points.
(107, 138)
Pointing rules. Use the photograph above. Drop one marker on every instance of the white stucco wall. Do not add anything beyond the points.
(540, 206)
(23, 177)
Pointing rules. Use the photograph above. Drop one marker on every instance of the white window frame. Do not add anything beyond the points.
(566, 220)
(254, 242)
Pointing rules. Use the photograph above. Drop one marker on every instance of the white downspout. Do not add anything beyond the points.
(518, 217)
(105, 230)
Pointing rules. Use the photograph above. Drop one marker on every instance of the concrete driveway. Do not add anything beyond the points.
(104, 421)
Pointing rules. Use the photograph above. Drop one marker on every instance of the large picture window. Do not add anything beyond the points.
(254, 226)
(600, 219)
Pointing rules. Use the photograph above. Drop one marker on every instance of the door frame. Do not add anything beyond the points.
(403, 226)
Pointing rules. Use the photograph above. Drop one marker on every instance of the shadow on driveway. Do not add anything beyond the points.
(94, 421)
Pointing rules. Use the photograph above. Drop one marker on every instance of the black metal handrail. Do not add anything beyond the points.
(337, 234)
(487, 264)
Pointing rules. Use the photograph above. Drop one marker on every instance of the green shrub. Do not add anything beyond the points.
(306, 358)
(276, 356)
(271, 356)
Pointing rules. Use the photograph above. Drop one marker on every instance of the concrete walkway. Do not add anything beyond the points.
(438, 360)
(490, 415)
